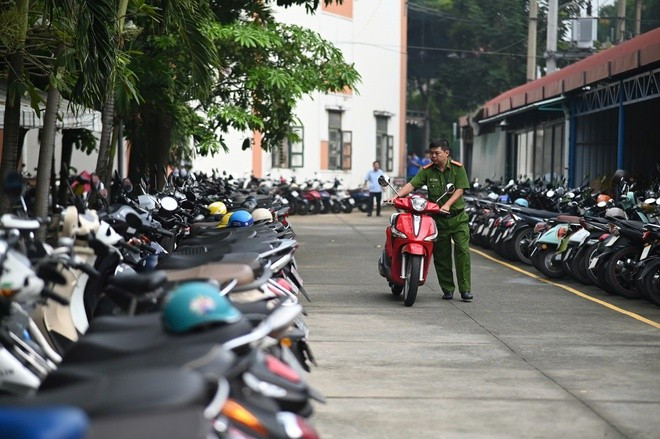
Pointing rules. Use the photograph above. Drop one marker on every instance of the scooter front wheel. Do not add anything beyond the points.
(413, 269)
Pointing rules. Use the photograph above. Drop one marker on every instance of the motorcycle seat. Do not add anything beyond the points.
(535, 212)
(217, 362)
(571, 219)
(104, 346)
(174, 262)
(139, 282)
(126, 392)
(216, 271)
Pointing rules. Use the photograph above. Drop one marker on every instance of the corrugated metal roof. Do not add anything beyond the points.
(630, 55)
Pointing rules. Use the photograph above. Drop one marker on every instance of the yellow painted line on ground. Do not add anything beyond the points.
(571, 290)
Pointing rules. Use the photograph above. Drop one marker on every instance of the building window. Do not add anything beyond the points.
(540, 152)
(384, 144)
(340, 143)
(290, 154)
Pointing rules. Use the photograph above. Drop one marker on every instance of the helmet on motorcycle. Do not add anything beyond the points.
(240, 218)
(504, 199)
(492, 196)
(615, 212)
(224, 221)
(262, 214)
(217, 208)
(603, 197)
(522, 202)
(195, 304)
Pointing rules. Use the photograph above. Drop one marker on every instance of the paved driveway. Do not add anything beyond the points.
(525, 359)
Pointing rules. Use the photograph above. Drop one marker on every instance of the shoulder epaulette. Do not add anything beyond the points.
(454, 162)
(427, 166)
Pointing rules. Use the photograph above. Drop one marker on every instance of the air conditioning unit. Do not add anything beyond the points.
(584, 31)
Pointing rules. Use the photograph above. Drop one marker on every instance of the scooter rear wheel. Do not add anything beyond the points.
(413, 268)
(650, 284)
(544, 262)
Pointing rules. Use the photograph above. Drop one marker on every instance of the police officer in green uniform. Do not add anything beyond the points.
(452, 223)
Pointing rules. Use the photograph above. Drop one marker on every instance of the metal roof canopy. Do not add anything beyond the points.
(633, 54)
(537, 105)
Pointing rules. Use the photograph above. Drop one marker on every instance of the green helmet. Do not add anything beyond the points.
(194, 304)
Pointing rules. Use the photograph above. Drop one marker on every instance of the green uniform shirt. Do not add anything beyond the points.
(435, 180)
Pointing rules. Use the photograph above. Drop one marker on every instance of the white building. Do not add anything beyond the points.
(342, 133)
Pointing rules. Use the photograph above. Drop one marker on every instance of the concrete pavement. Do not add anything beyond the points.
(525, 359)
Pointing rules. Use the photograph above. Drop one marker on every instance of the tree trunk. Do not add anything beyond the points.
(11, 126)
(12, 119)
(65, 163)
(150, 146)
(46, 155)
(102, 165)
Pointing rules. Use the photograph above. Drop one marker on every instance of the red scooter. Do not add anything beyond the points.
(409, 243)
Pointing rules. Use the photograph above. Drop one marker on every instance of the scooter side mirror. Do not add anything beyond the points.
(134, 221)
(168, 203)
(382, 180)
(450, 188)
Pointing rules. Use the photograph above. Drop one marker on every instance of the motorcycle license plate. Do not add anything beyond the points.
(480, 229)
(645, 252)
(612, 240)
(506, 233)
(351, 201)
(498, 238)
(593, 263)
(492, 232)
(486, 231)
(568, 253)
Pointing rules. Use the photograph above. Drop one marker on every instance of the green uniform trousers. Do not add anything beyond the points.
(454, 229)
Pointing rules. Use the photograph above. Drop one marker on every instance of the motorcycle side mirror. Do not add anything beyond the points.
(382, 180)
(134, 221)
(169, 204)
(550, 193)
(190, 196)
(13, 184)
(187, 204)
(602, 204)
(650, 200)
(570, 195)
(450, 188)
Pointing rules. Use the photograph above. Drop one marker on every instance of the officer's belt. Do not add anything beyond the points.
(450, 215)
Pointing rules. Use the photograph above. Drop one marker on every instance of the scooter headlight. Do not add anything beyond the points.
(418, 203)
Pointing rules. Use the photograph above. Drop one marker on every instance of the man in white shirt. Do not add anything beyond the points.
(375, 191)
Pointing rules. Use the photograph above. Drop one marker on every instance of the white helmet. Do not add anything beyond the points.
(261, 214)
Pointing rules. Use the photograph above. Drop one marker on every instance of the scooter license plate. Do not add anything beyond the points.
(593, 263)
(645, 252)
(480, 229)
(612, 240)
(351, 201)
(292, 361)
(492, 232)
(568, 253)
(506, 233)
(498, 238)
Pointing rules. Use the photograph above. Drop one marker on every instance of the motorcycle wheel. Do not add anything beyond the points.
(362, 206)
(293, 206)
(335, 207)
(325, 207)
(314, 207)
(543, 261)
(577, 264)
(396, 289)
(519, 245)
(347, 208)
(620, 278)
(302, 208)
(413, 268)
(650, 284)
(586, 260)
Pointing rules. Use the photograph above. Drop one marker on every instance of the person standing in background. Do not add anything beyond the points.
(412, 165)
(375, 191)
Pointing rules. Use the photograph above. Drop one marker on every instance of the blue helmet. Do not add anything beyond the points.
(241, 218)
(194, 304)
(522, 202)
(504, 199)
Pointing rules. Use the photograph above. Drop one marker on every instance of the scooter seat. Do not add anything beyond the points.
(216, 362)
(175, 262)
(139, 282)
(216, 271)
(126, 392)
(571, 219)
(535, 212)
(105, 346)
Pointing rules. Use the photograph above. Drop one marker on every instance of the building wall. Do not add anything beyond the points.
(488, 156)
(371, 39)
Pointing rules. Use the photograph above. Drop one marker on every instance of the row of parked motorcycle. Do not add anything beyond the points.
(172, 314)
(313, 196)
(608, 240)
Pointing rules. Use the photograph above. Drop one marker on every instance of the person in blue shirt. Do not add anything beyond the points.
(375, 191)
(426, 160)
(412, 165)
